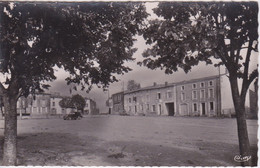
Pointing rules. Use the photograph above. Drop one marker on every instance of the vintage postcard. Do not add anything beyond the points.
(129, 83)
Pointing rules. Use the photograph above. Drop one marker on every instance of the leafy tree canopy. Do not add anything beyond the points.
(89, 40)
(190, 32)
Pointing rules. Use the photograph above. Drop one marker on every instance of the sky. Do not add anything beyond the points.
(140, 74)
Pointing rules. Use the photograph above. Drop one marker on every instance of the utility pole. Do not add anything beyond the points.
(219, 93)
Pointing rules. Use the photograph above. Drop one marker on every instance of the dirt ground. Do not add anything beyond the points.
(130, 141)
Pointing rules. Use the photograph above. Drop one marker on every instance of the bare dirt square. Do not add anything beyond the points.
(130, 141)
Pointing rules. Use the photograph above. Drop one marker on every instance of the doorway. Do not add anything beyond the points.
(203, 109)
(160, 109)
(184, 109)
(170, 108)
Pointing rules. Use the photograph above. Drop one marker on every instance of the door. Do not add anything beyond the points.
(160, 109)
(170, 108)
(203, 109)
(184, 109)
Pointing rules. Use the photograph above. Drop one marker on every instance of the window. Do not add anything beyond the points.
(202, 84)
(202, 94)
(43, 103)
(182, 96)
(169, 94)
(159, 95)
(130, 109)
(194, 94)
(211, 105)
(134, 99)
(182, 88)
(153, 107)
(211, 93)
(210, 83)
(135, 109)
(129, 100)
(147, 97)
(53, 103)
(194, 85)
(147, 106)
(142, 107)
(194, 107)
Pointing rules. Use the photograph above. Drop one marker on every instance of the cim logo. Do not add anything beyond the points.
(239, 158)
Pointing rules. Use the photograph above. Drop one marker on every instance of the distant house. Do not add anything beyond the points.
(47, 105)
(55, 108)
(199, 97)
(34, 105)
(117, 103)
(90, 107)
(152, 100)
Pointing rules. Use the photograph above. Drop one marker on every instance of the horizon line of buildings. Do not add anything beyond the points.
(47, 104)
(208, 96)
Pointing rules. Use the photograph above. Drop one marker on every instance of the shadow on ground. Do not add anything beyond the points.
(60, 149)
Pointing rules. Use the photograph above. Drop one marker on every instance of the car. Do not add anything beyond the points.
(73, 116)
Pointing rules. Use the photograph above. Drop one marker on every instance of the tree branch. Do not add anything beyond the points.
(246, 63)
(253, 76)
(237, 56)
(2, 89)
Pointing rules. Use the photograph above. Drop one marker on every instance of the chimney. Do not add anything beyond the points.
(154, 84)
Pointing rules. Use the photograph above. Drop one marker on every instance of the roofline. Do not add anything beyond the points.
(171, 84)
(197, 79)
(151, 88)
(118, 93)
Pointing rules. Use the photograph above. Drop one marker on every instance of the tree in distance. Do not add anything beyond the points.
(133, 85)
(78, 102)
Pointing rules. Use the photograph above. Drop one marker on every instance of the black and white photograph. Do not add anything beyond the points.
(129, 83)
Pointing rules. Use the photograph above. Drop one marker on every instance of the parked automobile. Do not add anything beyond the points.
(73, 116)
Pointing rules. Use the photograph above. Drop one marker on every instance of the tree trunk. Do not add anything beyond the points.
(10, 132)
(244, 145)
(239, 103)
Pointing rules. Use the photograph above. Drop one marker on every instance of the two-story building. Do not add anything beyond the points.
(55, 108)
(47, 104)
(152, 100)
(90, 107)
(35, 105)
(196, 97)
(199, 97)
(117, 103)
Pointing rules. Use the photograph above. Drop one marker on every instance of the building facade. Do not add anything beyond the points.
(90, 107)
(199, 97)
(55, 108)
(47, 104)
(118, 103)
(152, 100)
(196, 97)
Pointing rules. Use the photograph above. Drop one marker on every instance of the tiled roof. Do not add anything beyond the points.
(197, 80)
(159, 86)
